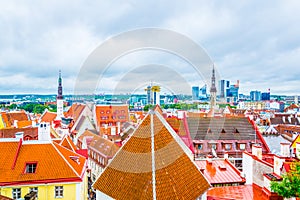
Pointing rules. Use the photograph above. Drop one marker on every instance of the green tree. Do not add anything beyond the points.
(12, 106)
(289, 186)
(52, 107)
(148, 107)
(38, 108)
(29, 107)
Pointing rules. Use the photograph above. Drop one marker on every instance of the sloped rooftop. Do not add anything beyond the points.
(153, 164)
(222, 128)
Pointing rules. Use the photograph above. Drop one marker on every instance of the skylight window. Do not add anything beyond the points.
(30, 168)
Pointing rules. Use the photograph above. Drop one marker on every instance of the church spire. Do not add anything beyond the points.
(59, 89)
(59, 99)
(213, 92)
(213, 81)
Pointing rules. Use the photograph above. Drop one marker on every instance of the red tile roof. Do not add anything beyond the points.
(48, 117)
(68, 143)
(54, 163)
(24, 123)
(9, 117)
(105, 147)
(242, 192)
(129, 174)
(75, 111)
(30, 133)
(220, 171)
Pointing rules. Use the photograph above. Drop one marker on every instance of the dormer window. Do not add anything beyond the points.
(30, 168)
(227, 146)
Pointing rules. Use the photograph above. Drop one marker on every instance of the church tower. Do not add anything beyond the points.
(213, 92)
(59, 98)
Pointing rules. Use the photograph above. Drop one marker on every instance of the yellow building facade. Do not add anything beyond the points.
(62, 191)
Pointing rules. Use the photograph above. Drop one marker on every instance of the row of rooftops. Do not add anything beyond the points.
(50, 161)
(180, 126)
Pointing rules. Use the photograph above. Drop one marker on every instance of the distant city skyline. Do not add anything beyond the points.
(255, 42)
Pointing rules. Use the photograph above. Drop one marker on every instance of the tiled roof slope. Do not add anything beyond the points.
(104, 146)
(223, 128)
(220, 171)
(75, 111)
(54, 163)
(9, 117)
(31, 132)
(68, 143)
(130, 173)
(48, 116)
(241, 192)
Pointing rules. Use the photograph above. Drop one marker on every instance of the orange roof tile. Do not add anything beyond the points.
(48, 117)
(241, 192)
(104, 146)
(24, 123)
(9, 117)
(220, 171)
(68, 143)
(86, 133)
(129, 174)
(54, 163)
(75, 111)
(30, 132)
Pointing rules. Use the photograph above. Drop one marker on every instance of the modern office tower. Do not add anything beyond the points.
(223, 86)
(255, 95)
(195, 92)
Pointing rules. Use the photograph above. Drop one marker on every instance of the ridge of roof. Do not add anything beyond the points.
(60, 153)
(133, 165)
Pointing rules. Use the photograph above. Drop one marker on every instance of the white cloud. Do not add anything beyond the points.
(256, 42)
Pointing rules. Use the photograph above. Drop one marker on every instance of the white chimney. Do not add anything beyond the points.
(285, 149)
(180, 114)
(19, 135)
(257, 151)
(226, 155)
(44, 132)
(113, 130)
(16, 123)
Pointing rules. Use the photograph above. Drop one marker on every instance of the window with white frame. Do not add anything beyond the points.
(242, 146)
(30, 168)
(227, 146)
(16, 193)
(59, 191)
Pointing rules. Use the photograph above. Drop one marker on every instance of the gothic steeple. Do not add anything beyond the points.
(59, 89)
(213, 81)
(59, 99)
(213, 92)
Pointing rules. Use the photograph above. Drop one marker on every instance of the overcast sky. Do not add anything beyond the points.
(256, 42)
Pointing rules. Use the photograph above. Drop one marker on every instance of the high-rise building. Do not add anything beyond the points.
(223, 86)
(202, 92)
(148, 90)
(59, 99)
(255, 95)
(265, 96)
(232, 93)
(195, 92)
